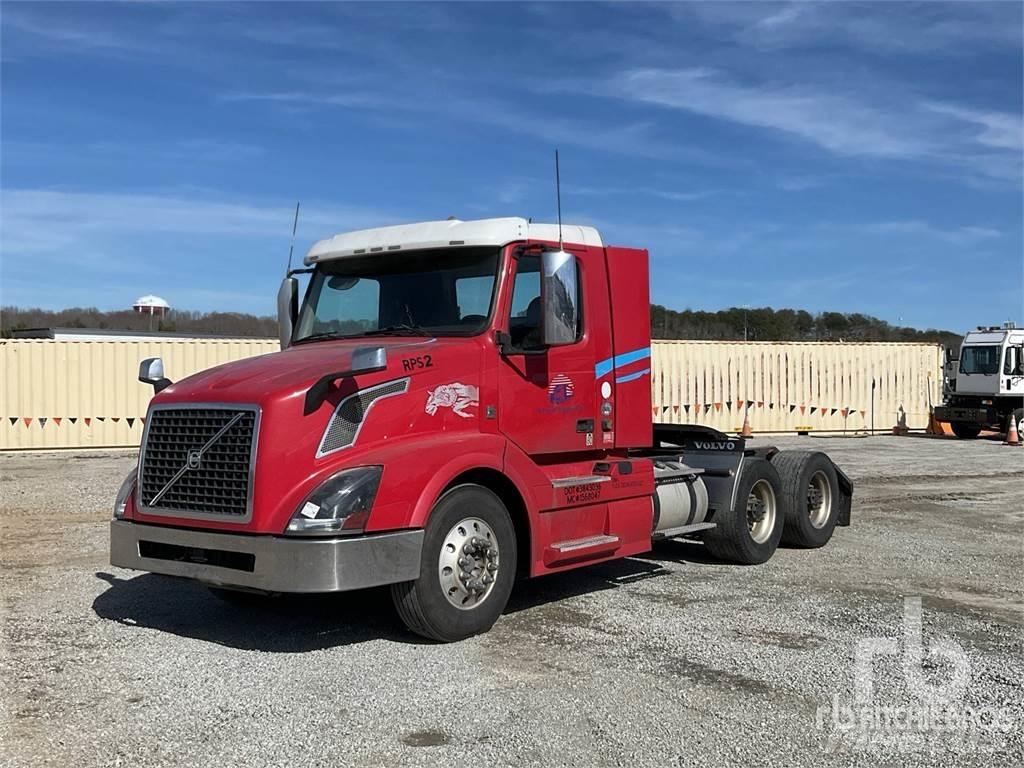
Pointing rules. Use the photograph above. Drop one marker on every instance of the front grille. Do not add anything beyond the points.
(348, 417)
(218, 480)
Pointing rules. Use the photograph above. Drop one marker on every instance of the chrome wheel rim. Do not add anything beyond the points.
(761, 511)
(819, 499)
(468, 564)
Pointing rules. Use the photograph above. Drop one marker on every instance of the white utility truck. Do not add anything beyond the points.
(989, 384)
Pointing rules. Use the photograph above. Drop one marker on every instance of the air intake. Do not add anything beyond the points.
(348, 417)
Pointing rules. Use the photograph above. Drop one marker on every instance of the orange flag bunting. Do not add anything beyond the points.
(27, 420)
(718, 406)
(57, 420)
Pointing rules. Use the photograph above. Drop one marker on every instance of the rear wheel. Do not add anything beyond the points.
(467, 567)
(811, 487)
(965, 431)
(750, 532)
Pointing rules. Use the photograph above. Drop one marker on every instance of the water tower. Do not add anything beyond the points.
(153, 306)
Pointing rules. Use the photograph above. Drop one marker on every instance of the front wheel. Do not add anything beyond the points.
(965, 431)
(467, 567)
(750, 532)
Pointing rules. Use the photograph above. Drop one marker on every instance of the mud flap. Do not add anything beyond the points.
(845, 496)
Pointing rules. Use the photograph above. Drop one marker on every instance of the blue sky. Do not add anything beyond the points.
(842, 156)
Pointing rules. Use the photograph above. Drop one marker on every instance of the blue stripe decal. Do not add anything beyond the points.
(632, 376)
(605, 367)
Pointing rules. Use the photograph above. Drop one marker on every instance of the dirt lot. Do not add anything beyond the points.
(666, 659)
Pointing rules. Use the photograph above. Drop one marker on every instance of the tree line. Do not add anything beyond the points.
(735, 323)
(767, 324)
(178, 321)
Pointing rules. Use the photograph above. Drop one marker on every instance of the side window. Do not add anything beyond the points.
(525, 323)
(1013, 364)
(473, 295)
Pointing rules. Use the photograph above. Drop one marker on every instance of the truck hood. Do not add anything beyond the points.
(292, 371)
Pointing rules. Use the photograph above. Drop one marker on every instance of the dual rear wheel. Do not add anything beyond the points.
(794, 499)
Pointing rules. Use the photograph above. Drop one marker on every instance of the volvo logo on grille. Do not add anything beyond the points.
(195, 458)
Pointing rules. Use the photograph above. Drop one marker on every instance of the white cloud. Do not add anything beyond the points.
(876, 122)
(664, 194)
(964, 235)
(42, 221)
(833, 122)
(1000, 130)
(955, 29)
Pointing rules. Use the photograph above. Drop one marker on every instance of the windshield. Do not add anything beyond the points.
(444, 292)
(981, 358)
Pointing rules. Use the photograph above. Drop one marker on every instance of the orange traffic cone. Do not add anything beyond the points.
(746, 431)
(1012, 438)
(936, 427)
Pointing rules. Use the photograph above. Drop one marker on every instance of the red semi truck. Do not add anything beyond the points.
(456, 404)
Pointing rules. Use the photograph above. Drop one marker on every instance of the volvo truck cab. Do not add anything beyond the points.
(456, 404)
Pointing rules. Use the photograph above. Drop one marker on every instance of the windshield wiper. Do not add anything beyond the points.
(324, 335)
(401, 329)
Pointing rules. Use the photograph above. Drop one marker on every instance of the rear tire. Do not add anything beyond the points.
(965, 431)
(469, 539)
(750, 533)
(811, 488)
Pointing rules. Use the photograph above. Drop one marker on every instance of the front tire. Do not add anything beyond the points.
(467, 567)
(750, 533)
(811, 487)
(965, 431)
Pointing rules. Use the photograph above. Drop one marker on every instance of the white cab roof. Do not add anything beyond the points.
(444, 234)
(995, 336)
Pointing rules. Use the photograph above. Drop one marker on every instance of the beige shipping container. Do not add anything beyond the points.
(86, 394)
(81, 394)
(795, 386)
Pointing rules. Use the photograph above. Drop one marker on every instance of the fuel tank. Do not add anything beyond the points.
(681, 497)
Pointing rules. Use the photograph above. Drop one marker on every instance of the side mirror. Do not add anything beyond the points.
(151, 371)
(559, 291)
(287, 310)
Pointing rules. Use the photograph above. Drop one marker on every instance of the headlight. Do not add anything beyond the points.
(340, 505)
(124, 493)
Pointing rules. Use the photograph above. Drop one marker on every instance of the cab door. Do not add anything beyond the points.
(548, 400)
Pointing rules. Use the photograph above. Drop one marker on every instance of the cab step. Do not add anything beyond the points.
(580, 549)
(682, 530)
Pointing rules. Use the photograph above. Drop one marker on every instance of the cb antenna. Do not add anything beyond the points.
(295, 225)
(558, 195)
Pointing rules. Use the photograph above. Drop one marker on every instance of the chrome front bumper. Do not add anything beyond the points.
(269, 563)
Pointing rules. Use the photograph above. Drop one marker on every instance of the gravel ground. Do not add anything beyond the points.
(666, 659)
